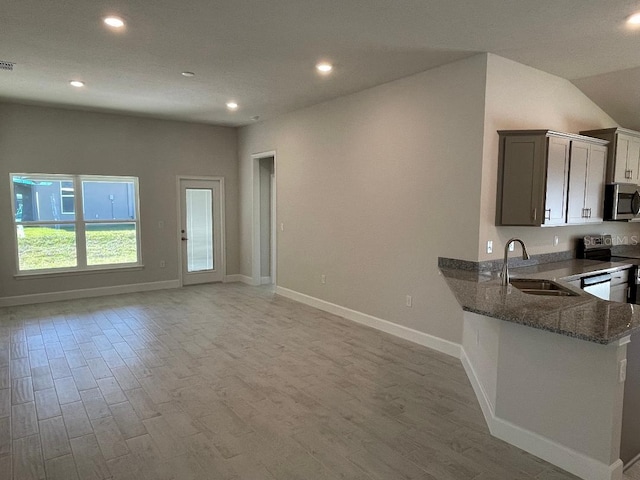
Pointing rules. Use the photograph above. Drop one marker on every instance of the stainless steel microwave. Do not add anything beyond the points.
(621, 201)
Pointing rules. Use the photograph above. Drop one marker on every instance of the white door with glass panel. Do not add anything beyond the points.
(201, 231)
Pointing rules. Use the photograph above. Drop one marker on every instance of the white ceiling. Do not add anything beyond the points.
(262, 53)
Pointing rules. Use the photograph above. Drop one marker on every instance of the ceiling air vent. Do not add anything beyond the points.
(6, 65)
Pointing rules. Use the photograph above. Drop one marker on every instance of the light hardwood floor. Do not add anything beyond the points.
(231, 382)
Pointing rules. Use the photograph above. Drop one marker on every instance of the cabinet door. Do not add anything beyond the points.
(594, 193)
(633, 159)
(555, 206)
(522, 185)
(621, 172)
(577, 182)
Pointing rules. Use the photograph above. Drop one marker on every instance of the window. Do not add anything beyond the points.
(66, 198)
(75, 222)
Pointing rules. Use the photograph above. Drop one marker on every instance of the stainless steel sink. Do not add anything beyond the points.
(534, 286)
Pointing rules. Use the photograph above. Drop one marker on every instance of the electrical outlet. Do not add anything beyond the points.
(163, 264)
(489, 246)
(556, 240)
(409, 301)
(512, 246)
(622, 372)
(323, 279)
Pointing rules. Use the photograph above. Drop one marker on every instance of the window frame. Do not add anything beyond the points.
(64, 194)
(79, 223)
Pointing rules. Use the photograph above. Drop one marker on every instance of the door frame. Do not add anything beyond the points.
(256, 277)
(223, 248)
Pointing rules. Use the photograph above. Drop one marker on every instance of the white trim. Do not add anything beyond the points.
(483, 399)
(87, 293)
(79, 223)
(66, 273)
(274, 225)
(255, 217)
(237, 277)
(566, 458)
(632, 462)
(265, 280)
(435, 343)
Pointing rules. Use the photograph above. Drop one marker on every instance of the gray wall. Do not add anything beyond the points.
(50, 140)
(374, 186)
(371, 188)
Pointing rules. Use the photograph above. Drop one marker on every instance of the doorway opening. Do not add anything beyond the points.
(264, 219)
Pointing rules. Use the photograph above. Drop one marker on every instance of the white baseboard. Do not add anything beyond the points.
(265, 280)
(86, 293)
(483, 399)
(632, 462)
(415, 336)
(566, 458)
(237, 277)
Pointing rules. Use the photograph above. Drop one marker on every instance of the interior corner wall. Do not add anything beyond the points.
(371, 189)
(521, 97)
(52, 140)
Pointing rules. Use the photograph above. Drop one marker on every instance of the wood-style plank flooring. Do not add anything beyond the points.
(231, 382)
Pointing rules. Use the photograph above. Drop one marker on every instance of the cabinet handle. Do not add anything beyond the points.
(547, 216)
(589, 212)
(584, 213)
(535, 214)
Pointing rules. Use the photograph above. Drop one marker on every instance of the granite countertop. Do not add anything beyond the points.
(583, 316)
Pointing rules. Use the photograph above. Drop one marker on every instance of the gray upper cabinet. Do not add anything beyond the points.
(623, 160)
(539, 184)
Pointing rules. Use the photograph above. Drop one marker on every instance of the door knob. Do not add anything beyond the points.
(184, 239)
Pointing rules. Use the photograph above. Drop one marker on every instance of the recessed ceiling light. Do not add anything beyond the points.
(232, 105)
(324, 67)
(188, 74)
(634, 19)
(76, 83)
(115, 22)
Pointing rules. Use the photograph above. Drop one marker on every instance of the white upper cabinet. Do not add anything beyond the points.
(623, 158)
(586, 183)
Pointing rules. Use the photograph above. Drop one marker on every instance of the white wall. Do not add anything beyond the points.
(50, 140)
(521, 97)
(372, 188)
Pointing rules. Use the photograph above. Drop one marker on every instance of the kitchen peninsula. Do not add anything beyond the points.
(548, 371)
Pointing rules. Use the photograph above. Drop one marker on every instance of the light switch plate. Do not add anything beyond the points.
(489, 246)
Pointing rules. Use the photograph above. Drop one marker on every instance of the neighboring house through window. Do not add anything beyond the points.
(75, 222)
(66, 198)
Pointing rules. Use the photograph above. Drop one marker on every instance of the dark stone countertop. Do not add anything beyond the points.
(583, 316)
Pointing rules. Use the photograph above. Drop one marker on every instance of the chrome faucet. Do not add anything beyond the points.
(505, 265)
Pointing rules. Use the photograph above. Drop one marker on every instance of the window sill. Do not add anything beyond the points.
(67, 273)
